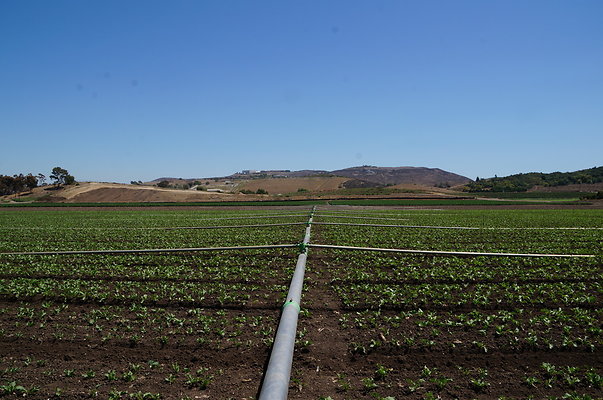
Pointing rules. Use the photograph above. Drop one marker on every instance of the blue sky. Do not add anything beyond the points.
(134, 90)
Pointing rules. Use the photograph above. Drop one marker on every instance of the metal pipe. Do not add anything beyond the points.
(278, 372)
(231, 226)
(161, 227)
(458, 227)
(348, 217)
(255, 217)
(180, 250)
(370, 213)
(395, 226)
(446, 253)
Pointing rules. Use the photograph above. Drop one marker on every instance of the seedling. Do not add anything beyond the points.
(89, 374)
(343, 384)
(369, 384)
(111, 375)
(381, 372)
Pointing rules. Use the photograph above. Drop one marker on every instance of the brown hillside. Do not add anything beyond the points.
(93, 192)
(290, 185)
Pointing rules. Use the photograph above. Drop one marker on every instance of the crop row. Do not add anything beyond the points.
(135, 219)
(431, 382)
(136, 325)
(517, 330)
(490, 295)
(66, 239)
(363, 266)
(240, 266)
(518, 241)
(156, 292)
(476, 218)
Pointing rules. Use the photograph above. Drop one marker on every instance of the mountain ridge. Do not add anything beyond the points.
(364, 175)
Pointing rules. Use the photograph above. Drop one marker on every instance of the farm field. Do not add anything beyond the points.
(200, 324)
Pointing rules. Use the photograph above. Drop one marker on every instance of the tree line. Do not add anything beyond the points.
(523, 182)
(21, 183)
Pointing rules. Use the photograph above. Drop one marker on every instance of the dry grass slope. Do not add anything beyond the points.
(291, 185)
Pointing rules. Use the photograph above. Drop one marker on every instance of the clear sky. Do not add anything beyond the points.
(120, 90)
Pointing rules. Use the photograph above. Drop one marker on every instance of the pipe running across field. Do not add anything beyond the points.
(503, 228)
(231, 226)
(136, 251)
(355, 217)
(276, 380)
(259, 216)
(395, 226)
(448, 253)
(164, 228)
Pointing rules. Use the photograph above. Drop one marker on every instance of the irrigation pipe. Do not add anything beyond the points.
(347, 217)
(579, 228)
(233, 226)
(446, 253)
(458, 227)
(255, 217)
(166, 228)
(393, 226)
(136, 251)
(278, 372)
(374, 214)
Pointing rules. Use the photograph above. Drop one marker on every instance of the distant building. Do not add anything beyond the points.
(249, 171)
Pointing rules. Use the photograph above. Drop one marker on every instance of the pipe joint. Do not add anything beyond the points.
(293, 303)
(303, 247)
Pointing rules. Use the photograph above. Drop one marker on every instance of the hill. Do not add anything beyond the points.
(403, 175)
(531, 180)
(94, 192)
(365, 176)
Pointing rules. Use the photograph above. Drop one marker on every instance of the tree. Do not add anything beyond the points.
(17, 183)
(30, 181)
(41, 179)
(69, 180)
(163, 184)
(61, 176)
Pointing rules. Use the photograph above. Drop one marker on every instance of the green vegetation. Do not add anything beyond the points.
(523, 182)
(174, 314)
(566, 196)
(433, 202)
